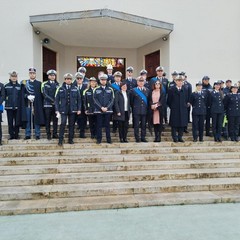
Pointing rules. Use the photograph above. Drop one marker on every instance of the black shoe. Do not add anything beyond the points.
(180, 140)
(200, 140)
(209, 135)
(219, 140)
(175, 140)
(138, 141)
(121, 140)
(232, 139)
(17, 137)
(92, 136)
(70, 141)
(60, 143)
(236, 139)
(27, 137)
(144, 140)
(186, 131)
(37, 138)
(98, 142)
(0, 142)
(82, 136)
(194, 140)
(55, 136)
(125, 140)
(11, 138)
(49, 137)
(114, 130)
(109, 141)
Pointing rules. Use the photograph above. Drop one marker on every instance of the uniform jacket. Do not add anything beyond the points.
(49, 91)
(63, 102)
(103, 98)
(2, 96)
(232, 104)
(188, 87)
(88, 101)
(37, 104)
(216, 102)
(12, 95)
(177, 101)
(137, 103)
(199, 103)
(119, 106)
(131, 84)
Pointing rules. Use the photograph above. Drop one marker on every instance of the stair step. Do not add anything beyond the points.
(119, 188)
(116, 166)
(116, 176)
(116, 202)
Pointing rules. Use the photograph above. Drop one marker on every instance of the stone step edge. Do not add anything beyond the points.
(18, 207)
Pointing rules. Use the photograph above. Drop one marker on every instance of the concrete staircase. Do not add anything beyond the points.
(40, 177)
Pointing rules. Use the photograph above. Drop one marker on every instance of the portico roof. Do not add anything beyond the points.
(101, 28)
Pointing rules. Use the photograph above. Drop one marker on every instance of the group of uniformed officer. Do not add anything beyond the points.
(31, 104)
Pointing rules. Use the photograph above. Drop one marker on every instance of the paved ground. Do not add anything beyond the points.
(192, 222)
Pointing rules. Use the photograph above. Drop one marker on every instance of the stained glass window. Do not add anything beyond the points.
(100, 62)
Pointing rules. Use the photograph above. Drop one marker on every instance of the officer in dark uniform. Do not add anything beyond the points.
(217, 111)
(139, 98)
(198, 100)
(208, 88)
(116, 87)
(232, 107)
(49, 90)
(83, 71)
(188, 88)
(68, 104)
(173, 82)
(2, 98)
(110, 74)
(239, 88)
(177, 102)
(81, 118)
(103, 100)
(12, 105)
(227, 89)
(89, 106)
(32, 104)
(131, 82)
(143, 73)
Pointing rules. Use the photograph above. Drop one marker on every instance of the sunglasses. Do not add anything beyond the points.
(157, 84)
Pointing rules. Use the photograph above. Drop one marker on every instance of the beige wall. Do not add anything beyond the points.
(205, 39)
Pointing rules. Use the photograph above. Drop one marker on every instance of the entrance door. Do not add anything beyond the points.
(49, 61)
(152, 61)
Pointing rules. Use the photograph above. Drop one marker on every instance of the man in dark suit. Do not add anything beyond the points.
(110, 74)
(140, 106)
(177, 101)
(131, 82)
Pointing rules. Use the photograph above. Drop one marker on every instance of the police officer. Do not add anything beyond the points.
(173, 82)
(12, 104)
(2, 97)
(83, 71)
(198, 100)
(144, 73)
(188, 87)
(89, 106)
(32, 104)
(103, 100)
(131, 82)
(81, 118)
(227, 89)
(232, 107)
(116, 87)
(110, 74)
(177, 102)
(140, 107)
(49, 90)
(67, 105)
(208, 89)
(217, 111)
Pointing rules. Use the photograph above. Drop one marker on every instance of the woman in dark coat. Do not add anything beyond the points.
(217, 111)
(157, 103)
(122, 111)
(177, 102)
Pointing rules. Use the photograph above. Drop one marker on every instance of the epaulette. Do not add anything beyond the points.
(24, 82)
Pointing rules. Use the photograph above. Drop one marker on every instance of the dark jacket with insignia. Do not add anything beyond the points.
(177, 102)
(103, 98)
(49, 91)
(199, 103)
(216, 102)
(88, 100)
(131, 83)
(232, 104)
(12, 95)
(68, 99)
(138, 105)
(32, 88)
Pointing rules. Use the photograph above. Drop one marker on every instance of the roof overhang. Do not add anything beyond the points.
(101, 28)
